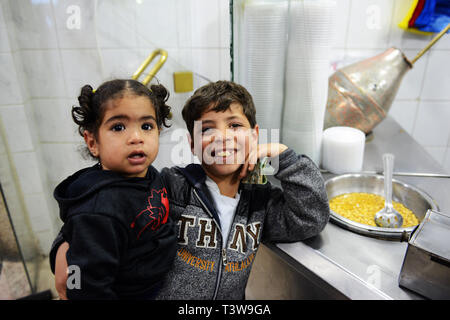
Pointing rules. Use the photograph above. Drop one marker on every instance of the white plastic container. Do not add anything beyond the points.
(343, 149)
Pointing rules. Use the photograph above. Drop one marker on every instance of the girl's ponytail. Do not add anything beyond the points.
(86, 115)
(161, 96)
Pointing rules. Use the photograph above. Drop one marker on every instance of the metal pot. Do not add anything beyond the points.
(411, 197)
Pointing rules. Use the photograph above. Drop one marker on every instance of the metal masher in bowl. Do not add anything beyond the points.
(388, 217)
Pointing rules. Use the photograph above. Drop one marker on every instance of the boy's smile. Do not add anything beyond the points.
(128, 137)
(222, 140)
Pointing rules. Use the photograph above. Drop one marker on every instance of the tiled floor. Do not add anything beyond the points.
(14, 283)
(45, 277)
(13, 280)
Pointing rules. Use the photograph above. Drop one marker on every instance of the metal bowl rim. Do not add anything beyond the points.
(365, 227)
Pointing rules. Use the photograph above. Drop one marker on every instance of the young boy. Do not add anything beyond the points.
(221, 221)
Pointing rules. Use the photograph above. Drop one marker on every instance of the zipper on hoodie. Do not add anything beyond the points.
(207, 210)
(223, 254)
(219, 273)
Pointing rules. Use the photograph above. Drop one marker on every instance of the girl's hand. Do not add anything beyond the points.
(262, 150)
(61, 270)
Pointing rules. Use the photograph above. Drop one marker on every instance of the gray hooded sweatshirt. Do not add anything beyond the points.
(202, 269)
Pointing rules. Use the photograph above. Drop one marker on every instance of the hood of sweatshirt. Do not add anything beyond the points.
(88, 181)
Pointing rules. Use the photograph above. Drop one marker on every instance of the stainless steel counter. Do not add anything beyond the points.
(338, 263)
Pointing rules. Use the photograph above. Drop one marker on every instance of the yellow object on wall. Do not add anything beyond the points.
(183, 81)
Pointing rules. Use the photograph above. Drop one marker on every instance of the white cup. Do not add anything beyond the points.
(343, 149)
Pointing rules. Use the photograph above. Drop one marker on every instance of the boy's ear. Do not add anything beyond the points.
(255, 132)
(91, 142)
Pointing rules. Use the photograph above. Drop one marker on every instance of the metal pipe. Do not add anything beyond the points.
(432, 42)
(163, 53)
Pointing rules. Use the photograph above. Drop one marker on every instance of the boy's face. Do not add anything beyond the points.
(222, 140)
(128, 137)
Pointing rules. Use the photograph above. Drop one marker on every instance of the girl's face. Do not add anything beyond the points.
(128, 137)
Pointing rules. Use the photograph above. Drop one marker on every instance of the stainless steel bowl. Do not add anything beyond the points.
(411, 197)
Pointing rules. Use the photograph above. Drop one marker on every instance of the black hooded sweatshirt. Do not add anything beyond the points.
(121, 237)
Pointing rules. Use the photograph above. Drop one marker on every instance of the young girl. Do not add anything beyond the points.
(116, 213)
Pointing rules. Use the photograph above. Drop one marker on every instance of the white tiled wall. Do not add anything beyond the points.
(46, 55)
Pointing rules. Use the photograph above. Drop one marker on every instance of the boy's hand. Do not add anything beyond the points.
(61, 271)
(262, 150)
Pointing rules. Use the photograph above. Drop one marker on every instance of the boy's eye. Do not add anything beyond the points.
(147, 126)
(118, 127)
(236, 125)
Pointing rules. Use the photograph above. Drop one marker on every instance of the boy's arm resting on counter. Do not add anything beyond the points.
(97, 243)
(300, 209)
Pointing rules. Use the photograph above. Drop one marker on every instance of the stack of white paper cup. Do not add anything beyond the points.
(311, 34)
(343, 149)
(263, 60)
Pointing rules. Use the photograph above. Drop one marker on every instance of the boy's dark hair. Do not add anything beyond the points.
(89, 115)
(221, 95)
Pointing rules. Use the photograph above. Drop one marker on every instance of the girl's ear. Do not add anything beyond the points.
(91, 143)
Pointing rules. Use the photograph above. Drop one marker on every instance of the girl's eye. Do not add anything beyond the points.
(118, 127)
(147, 126)
(204, 130)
